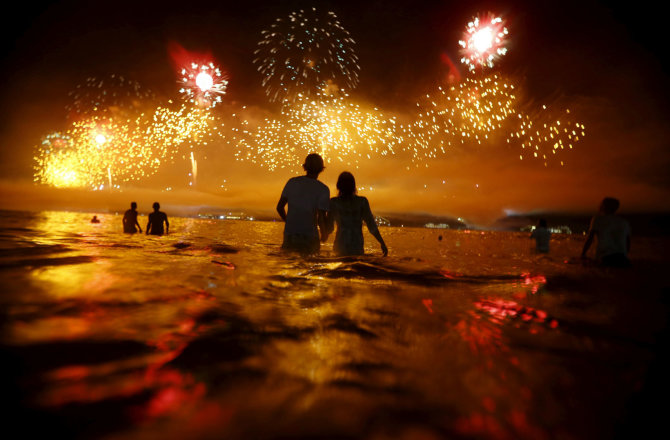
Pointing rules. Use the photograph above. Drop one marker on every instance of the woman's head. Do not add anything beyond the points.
(346, 184)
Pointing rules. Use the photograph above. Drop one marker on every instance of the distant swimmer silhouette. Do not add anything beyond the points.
(95, 219)
(349, 211)
(156, 219)
(308, 201)
(130, 220)
(542, 235)
(613, 233)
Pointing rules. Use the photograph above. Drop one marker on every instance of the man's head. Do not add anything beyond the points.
(313, 164)
(609, 205)
(156, 206)
(133, 205)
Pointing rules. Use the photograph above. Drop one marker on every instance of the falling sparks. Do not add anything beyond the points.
(543, 136)
(467, 112)
(203, 84)
(338, 129)
(305, 54)
(114, 95)
(484, 42)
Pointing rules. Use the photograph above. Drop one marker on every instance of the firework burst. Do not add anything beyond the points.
(484, 42)
(203, 84)
(467, 112)
(101, 151)
(304, 54)
(112, 96)
(339, 130)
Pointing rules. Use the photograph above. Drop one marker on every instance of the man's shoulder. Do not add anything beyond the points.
(308, 182)
(323, 186)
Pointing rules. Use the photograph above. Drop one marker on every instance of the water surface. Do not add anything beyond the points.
(211, 332)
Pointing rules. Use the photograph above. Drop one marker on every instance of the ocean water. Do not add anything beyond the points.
(212, 332)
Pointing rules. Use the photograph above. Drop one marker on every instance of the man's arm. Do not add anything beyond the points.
(148, 225)
(322, 220)
(330, 225)
(138, 225)
(281, 208)
(167, 225)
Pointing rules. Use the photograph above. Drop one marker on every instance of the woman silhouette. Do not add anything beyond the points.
(349, 211)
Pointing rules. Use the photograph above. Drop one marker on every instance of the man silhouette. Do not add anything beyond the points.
(130, 220)
(156, 219)
(613, 234)
(308, 201)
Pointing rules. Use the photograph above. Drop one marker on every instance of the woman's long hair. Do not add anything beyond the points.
(346, 184)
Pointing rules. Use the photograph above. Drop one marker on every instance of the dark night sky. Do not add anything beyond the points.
(611, 58)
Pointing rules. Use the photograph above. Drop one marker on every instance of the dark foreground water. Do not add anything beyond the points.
(212, 333)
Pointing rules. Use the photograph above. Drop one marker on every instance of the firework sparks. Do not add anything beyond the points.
(467, 112)
(484, 42)
(99, 150)
(304, 54)
(336, 128)
(544, 137)
(112, 96)
(203, 84)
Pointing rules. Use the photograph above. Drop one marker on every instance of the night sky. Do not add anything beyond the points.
(607, 64)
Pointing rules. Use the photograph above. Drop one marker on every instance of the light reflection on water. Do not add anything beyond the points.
(210, 330)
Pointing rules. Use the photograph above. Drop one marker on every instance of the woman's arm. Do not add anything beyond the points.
(372, 225)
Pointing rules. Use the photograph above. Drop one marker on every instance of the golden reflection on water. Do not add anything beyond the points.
(211, 328)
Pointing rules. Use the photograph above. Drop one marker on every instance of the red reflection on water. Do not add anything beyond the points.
(428, 303)
(535, 282)
(72, 372)
(480, 424)
(501, 309)
(489, 404)
(523, 428)
(171, 399)
(226, 264)
(481, 336)
(449, 274)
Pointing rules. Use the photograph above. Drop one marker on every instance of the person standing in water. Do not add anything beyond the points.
(307, 199)
(130, 220)
(349, 211)
(613, 233)
(156, 219)
(542, 235)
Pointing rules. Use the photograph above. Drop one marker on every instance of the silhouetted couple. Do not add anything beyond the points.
(311, 210)
(154, 226)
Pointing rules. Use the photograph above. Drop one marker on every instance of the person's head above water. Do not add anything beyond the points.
(313, 164)
(156, 206)
(133, 205)
(346, 184)
(609, 205)
(542, 223)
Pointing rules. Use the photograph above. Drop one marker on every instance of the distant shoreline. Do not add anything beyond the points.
(642, 224)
